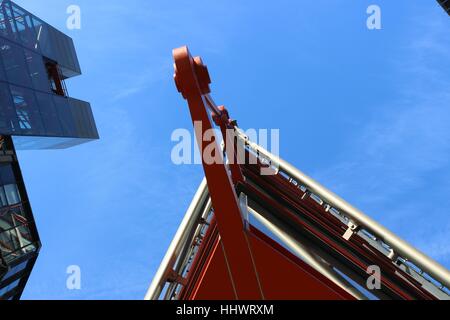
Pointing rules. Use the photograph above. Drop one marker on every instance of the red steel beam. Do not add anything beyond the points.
(283, 199)
(235, 252)
(192, 80)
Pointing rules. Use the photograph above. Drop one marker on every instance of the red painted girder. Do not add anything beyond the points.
(192, 80)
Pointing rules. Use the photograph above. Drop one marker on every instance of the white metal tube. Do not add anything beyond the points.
(189, 221)
(400, 246)
(184, 253)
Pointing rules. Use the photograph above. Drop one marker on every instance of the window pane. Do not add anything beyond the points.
(8, 117)
(14, 63)
(12, 194)
(12, 32)
(24, 27)
(65, 116)
(9, 244)
(16, 269)
(39, 32)
(3, 203)
(6, 174)
(43, 38)
(49, 115)
(2, 72)
(3, 23)
(27, 110)
(10, 216)
(25, 235)
(8, 288)
(62, 51)
(37, 70)
(82, 114)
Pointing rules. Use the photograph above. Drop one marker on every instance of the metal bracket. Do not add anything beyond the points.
(352, 228)
(244, 208)
(175, 277)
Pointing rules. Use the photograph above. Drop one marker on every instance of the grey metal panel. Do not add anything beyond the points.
(83, 118)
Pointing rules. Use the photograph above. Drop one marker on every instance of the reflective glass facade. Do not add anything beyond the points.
(19, 240)
(35, 59)
(35, 113)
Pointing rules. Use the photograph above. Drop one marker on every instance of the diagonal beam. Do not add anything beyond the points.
(192, 80)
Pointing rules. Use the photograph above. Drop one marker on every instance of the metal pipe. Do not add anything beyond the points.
(189, 222)
(400, 246)
(183, 256)
(305, 254)
(186, 249)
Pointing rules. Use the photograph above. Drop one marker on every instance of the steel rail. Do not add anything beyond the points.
(306, 255)
(189, 222)
(187, 248)
(400, 246)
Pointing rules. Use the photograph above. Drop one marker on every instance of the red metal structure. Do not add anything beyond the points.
(282, 235)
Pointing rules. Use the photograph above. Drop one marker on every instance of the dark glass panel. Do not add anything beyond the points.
(8, 118)
(62, 51)
(10, 23)
(41, 32)
(9, 243)
(24, 26)
(83, 118)
(14, 243)
(37, 70)
(44, 39)
(3, 23)
(16, 269)
(65, 116)
(3, 203)
(2, 72)
(15, 63)
(49, 114)
(10, 216)
(12, 194)
(27, 110)
(6, 174)
(9, 287)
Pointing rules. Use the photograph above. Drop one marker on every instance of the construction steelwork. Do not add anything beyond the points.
(248, 235)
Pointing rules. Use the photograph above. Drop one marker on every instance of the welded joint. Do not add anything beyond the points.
(174, 277)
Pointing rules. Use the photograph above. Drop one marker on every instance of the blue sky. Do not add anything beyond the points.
(364, 112)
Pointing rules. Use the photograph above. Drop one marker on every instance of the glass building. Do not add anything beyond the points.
(36, 112)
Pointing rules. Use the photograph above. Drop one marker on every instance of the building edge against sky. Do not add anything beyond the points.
(36, 112)
(445, 5)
